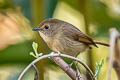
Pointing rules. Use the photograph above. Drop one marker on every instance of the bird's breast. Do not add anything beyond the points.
(64, 44)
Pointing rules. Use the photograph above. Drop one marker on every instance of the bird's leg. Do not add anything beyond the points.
(78, 76)
(73, 61)
(70, 65)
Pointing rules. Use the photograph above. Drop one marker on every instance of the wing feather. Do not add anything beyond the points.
(75, 34)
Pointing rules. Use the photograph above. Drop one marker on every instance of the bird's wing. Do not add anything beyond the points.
(86, 39)
(77, 35)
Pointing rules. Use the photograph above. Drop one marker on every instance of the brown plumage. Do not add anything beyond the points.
(64, 37)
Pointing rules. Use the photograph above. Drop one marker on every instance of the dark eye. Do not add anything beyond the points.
(46, 27)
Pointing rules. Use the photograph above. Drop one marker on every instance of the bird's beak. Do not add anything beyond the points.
(36, 29)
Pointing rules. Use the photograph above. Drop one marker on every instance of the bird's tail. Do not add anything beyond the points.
(101, 43)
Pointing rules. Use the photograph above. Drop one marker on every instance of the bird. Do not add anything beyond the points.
(64, 37)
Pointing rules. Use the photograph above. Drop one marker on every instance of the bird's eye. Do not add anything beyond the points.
(46, 27)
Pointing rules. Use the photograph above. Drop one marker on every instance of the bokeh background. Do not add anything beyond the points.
(18, 17)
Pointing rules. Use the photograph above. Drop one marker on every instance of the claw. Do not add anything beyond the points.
(58, 52)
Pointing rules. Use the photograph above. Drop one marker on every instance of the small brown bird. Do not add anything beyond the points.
(64, 37)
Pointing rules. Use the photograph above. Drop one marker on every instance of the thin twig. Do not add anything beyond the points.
(37, 72)
(56, 55)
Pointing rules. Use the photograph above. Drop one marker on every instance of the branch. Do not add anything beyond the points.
(37, 73)
(65, 67)
(69, 71)
(83, 64)
(114, 56)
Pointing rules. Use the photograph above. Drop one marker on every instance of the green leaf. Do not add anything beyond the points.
(35, 46)
(32, 54)
(98, 68)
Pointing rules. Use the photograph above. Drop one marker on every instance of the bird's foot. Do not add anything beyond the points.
(58, 52)
(78, 76)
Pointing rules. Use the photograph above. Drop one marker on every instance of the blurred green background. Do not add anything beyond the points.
(18, 17)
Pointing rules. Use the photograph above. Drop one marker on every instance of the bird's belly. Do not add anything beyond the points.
(68, 46)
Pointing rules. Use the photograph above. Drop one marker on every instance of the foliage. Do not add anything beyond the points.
(98, 68)
(35, 47)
